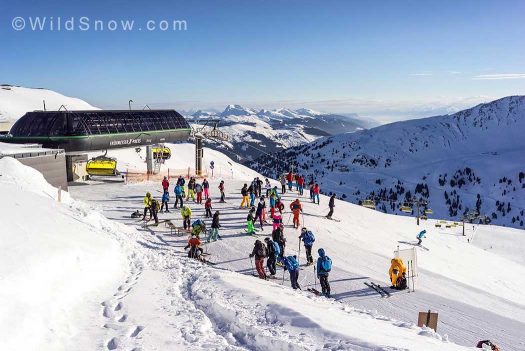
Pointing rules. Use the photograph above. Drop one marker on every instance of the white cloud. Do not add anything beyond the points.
(500, 76)
(421, 74)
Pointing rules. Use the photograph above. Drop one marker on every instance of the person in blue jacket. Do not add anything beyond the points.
(179, 196)
(291, 265)
(165, 200)
(420, 236)
(324, 266)
(308, 239)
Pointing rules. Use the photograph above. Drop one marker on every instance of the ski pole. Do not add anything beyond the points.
(251, 262)
(315, 279)
(283, 275)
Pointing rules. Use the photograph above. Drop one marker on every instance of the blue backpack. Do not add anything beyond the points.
(276, 248)
(293, 263)
(326, 264)
(198, 222)
(308, 238)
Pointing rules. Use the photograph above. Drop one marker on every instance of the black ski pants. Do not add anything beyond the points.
(270, 263)
(294, 277)
(309, 257)
(331, 212)
(325, 286)
(179, 198)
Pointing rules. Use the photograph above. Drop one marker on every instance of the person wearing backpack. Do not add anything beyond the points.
(308, 239)
(278, 237)
(165, 200)
(273, 251)
(206, 187)
(245, 200)
(324, 266)
(291, 265)
(179, 191)
(259, 252)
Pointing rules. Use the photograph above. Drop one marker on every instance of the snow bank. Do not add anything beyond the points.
(54, 266)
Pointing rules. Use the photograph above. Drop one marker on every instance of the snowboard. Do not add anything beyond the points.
(414, 244)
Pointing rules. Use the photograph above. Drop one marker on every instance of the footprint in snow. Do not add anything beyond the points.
(136, 331)
(112, 344)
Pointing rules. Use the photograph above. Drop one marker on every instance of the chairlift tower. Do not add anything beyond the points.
(205, 129)
(471, 216)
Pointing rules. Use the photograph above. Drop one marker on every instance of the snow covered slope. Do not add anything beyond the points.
(473, 159)
(55, 268)
(71, 279)
(274, 130)
(16, 101)
(472, 281)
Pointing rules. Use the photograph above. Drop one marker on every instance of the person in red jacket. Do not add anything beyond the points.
(317, 191)
(289, 179)
(165, 184)
(296, 208)
(300, 184)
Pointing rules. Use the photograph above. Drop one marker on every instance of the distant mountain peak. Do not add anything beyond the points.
(237, 110)
(307, 112)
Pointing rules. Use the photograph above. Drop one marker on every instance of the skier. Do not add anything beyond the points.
(296, 208)
(278, 237)
(154, 208)
(259, 251)
(206, 187)
(165, 184)
(249, 222)
(277, 220)
(208, 208)
(165, 200)
(251, 191)
(311, 187)
(259, 212)
(221, 189)
(147, 205)
(198, 191)
(268, 187)
(289, 180)
(186, 217)
(214, 234)
(331, 205)
(292, 266)
(245, 199)
(197, 227)
(283, 184)
(273, 251)
(300, 184)
(181, 181)
(259, 183)
(420, 236)
(324, 266)
(308, 239)
(317, 191)
(279, 206)
(179, 194)
(196, 251)
(191, 189)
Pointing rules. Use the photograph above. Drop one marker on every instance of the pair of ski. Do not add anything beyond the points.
(379, 289)
(314, 291)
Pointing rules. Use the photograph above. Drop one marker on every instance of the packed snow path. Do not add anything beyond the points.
(473, 300)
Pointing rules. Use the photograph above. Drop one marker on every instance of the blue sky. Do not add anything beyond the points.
(386, 59)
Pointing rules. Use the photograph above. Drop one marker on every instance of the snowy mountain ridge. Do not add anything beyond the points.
(254, 133)
(448, 160)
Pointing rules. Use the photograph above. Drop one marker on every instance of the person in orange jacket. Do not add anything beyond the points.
(194, 244)
(296, 208)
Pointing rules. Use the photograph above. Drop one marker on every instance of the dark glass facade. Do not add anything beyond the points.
(96, 122)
